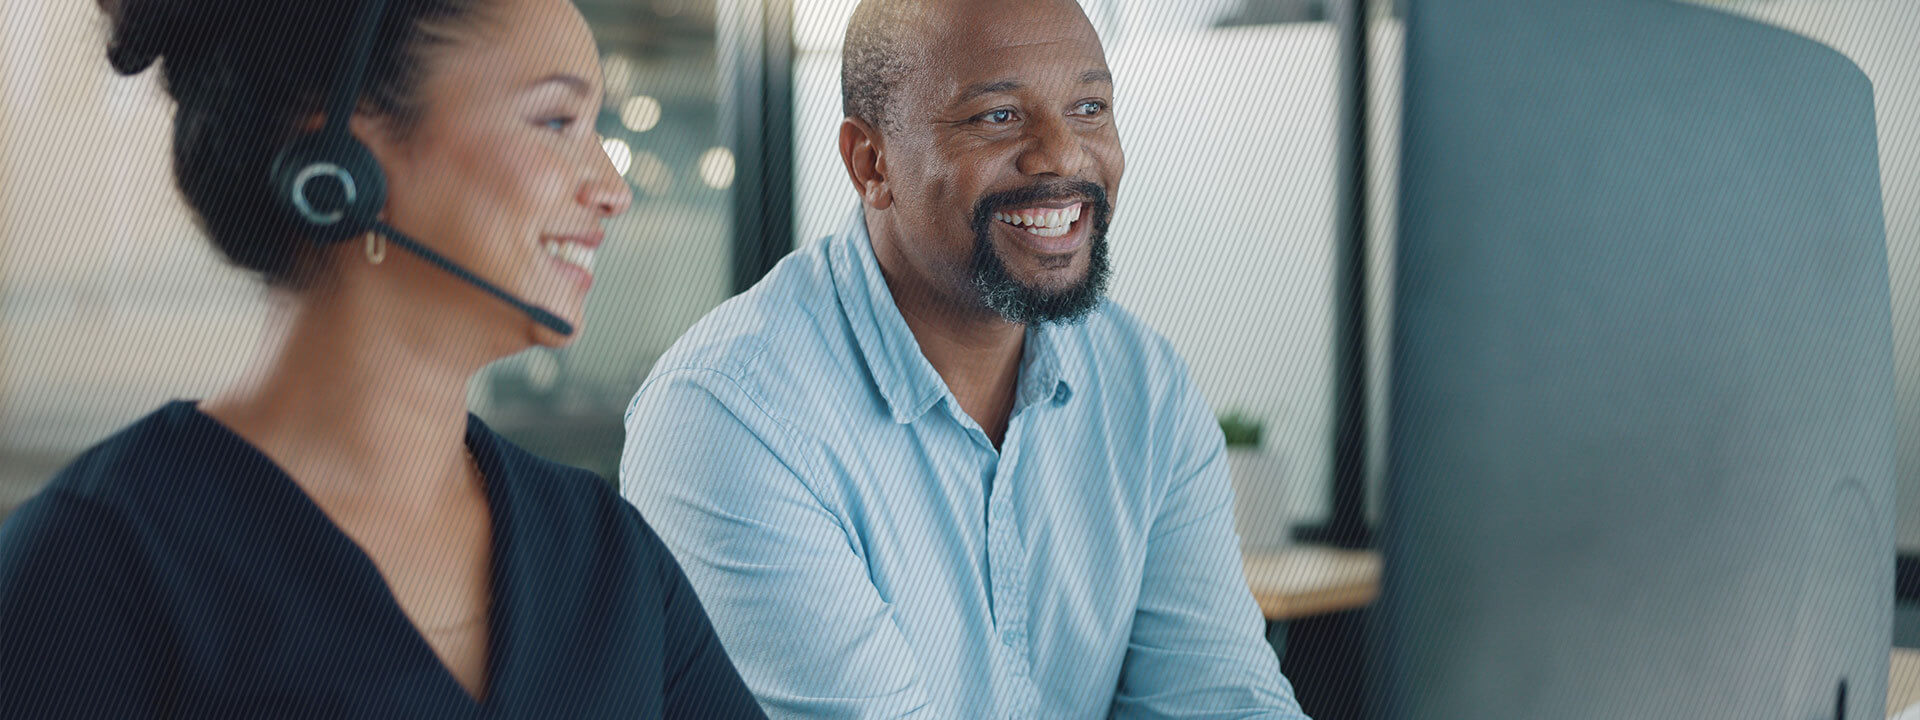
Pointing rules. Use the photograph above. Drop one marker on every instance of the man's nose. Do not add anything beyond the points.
(1053, 149)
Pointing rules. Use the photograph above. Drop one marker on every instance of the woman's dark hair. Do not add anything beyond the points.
(248, 76)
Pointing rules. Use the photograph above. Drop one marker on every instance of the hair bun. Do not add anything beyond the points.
(145, 30)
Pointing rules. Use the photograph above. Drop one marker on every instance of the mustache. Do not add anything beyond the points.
(1004, 294)
(1046, 191)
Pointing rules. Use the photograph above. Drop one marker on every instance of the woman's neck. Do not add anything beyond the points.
(363, 402)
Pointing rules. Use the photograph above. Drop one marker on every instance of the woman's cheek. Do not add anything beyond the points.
(532, 179)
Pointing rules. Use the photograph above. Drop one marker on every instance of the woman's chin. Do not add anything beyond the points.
(567, 306)
(544, 336)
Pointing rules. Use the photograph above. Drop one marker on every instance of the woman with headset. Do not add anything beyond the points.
(334, 535)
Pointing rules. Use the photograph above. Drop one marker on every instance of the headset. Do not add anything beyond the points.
(333, 188)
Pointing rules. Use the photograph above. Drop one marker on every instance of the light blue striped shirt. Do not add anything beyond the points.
(865, 552)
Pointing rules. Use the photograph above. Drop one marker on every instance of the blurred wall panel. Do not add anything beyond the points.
(110, 300)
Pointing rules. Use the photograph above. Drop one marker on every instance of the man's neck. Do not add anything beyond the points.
(977, 355)
(976, 352)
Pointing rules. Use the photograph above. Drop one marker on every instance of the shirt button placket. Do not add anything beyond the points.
(1007, 561)
(1000, 559)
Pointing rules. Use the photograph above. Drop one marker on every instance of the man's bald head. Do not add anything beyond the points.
(886, 40)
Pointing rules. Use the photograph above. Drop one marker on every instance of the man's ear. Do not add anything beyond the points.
(865, 156)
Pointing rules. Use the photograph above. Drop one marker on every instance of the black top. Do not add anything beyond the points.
(174, 570)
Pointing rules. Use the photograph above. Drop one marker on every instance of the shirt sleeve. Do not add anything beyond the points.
(75, 638)
(700, 681)
(723, 483)
(1198, 647)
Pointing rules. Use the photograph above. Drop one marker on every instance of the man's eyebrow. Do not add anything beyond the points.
(988, 88)
(577, 84)
(1094, 76)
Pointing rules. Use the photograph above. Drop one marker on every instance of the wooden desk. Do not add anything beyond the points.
(1903, 685)
(1303, 581)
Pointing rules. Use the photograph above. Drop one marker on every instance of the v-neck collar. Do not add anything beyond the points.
(504, 599)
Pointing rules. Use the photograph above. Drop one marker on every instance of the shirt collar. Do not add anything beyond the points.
(899, 370)
(1043, 370)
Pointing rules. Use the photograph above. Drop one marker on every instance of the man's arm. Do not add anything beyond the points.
(1198, 649)
(721, 481)
(701, 681)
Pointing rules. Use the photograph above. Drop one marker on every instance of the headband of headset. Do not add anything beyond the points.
(328, 181)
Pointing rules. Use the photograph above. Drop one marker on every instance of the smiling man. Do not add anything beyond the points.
(924, 469)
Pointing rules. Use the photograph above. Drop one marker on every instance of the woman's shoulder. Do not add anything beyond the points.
(154, 445)
(61, 537)
(86, 511)
(62, 551)
(171, 485)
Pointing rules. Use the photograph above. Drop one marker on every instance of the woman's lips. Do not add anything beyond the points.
(573, 255)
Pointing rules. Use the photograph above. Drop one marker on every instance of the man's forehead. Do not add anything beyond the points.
(989, 26)
(973, 43)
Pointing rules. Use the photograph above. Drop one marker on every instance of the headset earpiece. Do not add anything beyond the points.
(331, 186)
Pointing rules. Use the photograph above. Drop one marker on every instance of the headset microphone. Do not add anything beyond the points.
(333, 187)
(538, 314)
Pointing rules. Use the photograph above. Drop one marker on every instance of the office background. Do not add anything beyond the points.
(721, 114)
(113, 304)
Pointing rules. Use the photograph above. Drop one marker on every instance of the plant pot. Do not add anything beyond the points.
(1262, 512)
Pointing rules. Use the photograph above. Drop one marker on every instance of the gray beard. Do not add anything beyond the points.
(1022, 304)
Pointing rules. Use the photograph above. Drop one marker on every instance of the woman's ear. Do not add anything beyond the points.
(864, 153)
(375, 132)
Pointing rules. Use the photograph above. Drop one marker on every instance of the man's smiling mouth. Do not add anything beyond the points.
(1043, 222)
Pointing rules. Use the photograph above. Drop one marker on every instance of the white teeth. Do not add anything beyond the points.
(1054, 222)
(580, 255)
(570, 253)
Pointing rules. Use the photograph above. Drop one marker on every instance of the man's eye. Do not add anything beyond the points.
(557, 124)
(1092, 107)
(997, 117)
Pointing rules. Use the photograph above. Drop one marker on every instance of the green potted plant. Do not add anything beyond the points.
(1259, 510)
(1242, 430)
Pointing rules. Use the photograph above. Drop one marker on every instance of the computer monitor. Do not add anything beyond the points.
(1641, 432)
